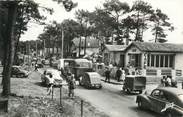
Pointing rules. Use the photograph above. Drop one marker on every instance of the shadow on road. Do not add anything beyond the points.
(40, 84)
(113, 82)
(141, 112)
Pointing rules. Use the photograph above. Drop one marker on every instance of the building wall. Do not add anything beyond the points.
(179, 61)
(88, 51)
(132, 50)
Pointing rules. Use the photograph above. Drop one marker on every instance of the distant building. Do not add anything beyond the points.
(114, 54)
(92, 46)
(153, 59)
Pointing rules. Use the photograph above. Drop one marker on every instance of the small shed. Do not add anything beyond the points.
(114, 54)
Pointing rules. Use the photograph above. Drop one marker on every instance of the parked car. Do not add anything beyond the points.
(19, 72)
(46, 62)
(56, 76)
(91, 80)
(164, 100)
(40, 65)
(133, 83)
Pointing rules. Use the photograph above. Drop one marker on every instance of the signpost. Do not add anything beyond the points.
(60, 85)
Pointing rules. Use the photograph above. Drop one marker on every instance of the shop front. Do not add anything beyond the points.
(155, 59)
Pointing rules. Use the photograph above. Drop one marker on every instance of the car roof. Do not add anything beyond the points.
(50, 69)
(81, 60)
(172, 90)
(92, 73)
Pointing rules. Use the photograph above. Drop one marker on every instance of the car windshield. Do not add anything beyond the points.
(180, 97)
(84, 64)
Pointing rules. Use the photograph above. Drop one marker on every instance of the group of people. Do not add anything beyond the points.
(120, 74)
(168, 81)
(71, 84)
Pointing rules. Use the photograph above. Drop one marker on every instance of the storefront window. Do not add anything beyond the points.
(154, 60)
(157, 60)
(161, 60)
(166, 60)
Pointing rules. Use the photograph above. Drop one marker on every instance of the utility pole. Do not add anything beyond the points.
(62, 43)
(44, 48)
(36, 49)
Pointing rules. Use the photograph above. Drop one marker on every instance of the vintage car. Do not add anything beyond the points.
(91, 80)
(134, 83)
(55, 75)
(164, 100)
(18, 72)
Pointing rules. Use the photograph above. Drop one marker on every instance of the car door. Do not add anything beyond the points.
(158, 100)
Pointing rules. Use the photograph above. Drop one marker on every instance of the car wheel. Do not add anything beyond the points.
(140, 92)
(168, 114)
(80, 78)
(20, 75)
(100, 86)
(128, 91)
(140, 105)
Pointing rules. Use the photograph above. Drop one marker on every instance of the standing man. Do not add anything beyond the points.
(107, 75)
(118, 74)
(36, 66)
(72, 86)
(51, 84)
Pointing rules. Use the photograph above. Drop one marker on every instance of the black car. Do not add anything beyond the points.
(164, 100)
(17, 71)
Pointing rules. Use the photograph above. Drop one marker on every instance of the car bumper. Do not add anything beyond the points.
(96, 86)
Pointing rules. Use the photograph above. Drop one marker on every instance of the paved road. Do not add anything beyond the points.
(111, 100)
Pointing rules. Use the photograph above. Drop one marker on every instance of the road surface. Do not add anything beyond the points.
(113, 101)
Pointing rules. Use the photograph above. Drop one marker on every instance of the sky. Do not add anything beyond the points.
(173, 8)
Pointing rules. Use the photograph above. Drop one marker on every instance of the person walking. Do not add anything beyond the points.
(168, 81)
(107, 74)
(122, 74)
(162, 82)
(36, 66)
(50, 85)
(71, 86)
(174, 82)
(118, 74)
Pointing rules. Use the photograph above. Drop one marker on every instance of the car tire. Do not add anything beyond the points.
(20, 75)
(100, 87)
(80, 78)
(140, 92)
(169, 114)
(140, 104)
(128, 91)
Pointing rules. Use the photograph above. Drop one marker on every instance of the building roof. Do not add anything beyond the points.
(158, 47)
(116, 48)
(91, 42)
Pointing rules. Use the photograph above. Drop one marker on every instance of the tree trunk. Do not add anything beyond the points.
(137, 31)
(156, 32)
(85, 45)
(79, 45)
(10, 48)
